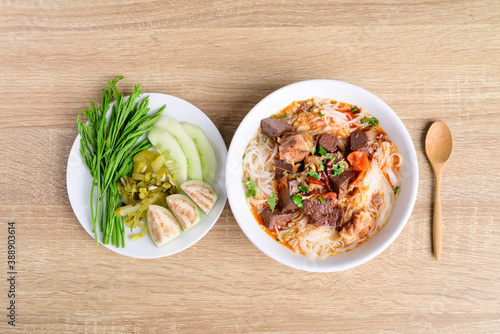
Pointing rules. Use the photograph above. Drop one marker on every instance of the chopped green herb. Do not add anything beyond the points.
(297, 200)
(311, 108)
(244, 155)
(313, 174)
(322, 151)
(396, 190)
(320, 113)
(283, 116)
(354, 109)
(278, 239)
(322, 166)
(321, 199)
(271, 200)
(337, 169)
(304, 189)
(272, 116)
(370, 121)
(313, 149)
(252, 190)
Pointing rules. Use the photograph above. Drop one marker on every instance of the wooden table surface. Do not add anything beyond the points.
(428, 60)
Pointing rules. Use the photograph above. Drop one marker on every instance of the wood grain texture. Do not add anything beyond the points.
(428, 60)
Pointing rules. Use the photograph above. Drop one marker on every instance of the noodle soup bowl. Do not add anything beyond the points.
(389, 122)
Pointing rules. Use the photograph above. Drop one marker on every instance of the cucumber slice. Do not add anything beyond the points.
(201, 193)
(162, 225)
(185, 210)
(185, 142)
(166, 144)
(205, 150)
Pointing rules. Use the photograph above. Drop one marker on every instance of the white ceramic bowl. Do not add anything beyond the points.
(340, 91)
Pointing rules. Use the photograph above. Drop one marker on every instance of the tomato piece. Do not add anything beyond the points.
(358, 161)
(358, 179)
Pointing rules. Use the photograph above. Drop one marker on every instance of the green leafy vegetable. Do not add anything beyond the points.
(252, 190)
(303, 188)
(313, 149)
(322, 151)
(283, 116)
(271, 200)
(354, 109)
(396, 190)
(297, 199)
(337, 169)
(320, 113)
(322, 166)
(321, 199)
(108, 147)
(370, 121)
(272, 116)
(313, 174)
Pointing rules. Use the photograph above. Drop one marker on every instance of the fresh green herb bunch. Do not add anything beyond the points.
(108, 146)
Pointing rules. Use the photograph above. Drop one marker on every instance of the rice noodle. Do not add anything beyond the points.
(381, 178)
(260, 156)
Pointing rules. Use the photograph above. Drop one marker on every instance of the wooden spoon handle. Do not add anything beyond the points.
(437, 229)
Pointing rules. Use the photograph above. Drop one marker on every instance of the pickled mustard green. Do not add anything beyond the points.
(149, 184)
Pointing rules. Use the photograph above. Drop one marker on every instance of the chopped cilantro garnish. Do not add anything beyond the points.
(283, 116)
(252, 190)
(297, 199)
(321, 199)
(337, 169)
(244, 155)
(322, 166)
(278, 239)
(271, 200)
(354, 109)
(396, 190)
(370, 121)
(313, 174)
(320, 113)
(322, 151)
(272, 116)
(313, 149)
(304, 189)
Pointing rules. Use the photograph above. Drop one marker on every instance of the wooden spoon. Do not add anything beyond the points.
(438, 146)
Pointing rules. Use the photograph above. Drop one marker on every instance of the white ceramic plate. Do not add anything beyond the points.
(79, 180)
(340, 91)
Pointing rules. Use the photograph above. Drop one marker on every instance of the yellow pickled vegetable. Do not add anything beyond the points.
(150, 183)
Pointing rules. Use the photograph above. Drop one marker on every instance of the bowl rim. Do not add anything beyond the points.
(301, 264)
